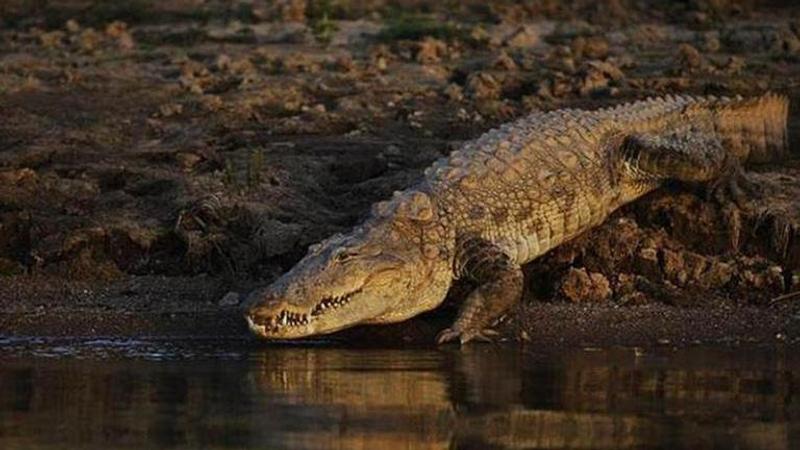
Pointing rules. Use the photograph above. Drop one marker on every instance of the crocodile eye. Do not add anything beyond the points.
(344, 255)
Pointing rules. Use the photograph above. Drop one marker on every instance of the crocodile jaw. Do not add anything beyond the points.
(380, 272)
(324, 293)
(284, 320)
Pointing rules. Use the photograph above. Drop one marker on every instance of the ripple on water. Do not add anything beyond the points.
(110, 348)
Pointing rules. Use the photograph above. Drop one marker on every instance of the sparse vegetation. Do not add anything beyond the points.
(417, 27)
(275, 127)
(255, 167)
(229, 175)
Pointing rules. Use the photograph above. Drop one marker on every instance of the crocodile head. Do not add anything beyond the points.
(382, 271)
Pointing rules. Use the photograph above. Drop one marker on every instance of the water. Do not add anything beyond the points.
(143, 394)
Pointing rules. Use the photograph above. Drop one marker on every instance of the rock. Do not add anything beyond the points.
(223, 62)
(525, 36)
(17, 177)
(52, 39)
(752, 279)
(710, 41)
(734, 65)
(596, 75)
(696, 264)
(90, 40)
(345, 63)
(298, 62)
(688, 57)
(592, 82)
(272, 237)
(228, 300)
(580, 286)
(633, 299)
(211, 103)
(119, 30)
(504, 62)
(626, 283)
(380, 56)
(785, 43)
(479, 35)
(187, 160)
(774, 277)
(498, 109)
(454, 92)
(618, 245)
(717, 275)
(673, 265)
(170, 109)
(647, 263)
(593, 47)
(431, 51)
(483, 86)
(758, 273)
(627, 290)
(72, 26)
(293, 10)
(596, 47)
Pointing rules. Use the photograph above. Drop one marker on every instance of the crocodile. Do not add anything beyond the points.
(508, 197)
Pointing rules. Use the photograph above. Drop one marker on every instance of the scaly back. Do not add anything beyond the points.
(569, 139)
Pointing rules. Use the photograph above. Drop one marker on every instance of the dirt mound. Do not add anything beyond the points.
(677, 249)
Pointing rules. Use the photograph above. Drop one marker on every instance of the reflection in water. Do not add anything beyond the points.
(112, 395)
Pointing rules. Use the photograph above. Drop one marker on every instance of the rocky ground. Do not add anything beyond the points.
(160, 159)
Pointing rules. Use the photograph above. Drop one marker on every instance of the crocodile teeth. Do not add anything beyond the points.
(287, 318)
(333, 302)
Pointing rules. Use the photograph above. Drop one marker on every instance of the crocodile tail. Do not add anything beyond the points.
(755, 128)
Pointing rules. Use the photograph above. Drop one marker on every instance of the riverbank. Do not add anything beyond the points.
(158, 160)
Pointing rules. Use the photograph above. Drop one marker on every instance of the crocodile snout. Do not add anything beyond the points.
(259, 308)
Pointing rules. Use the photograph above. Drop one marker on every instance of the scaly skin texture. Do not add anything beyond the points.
(505, 199)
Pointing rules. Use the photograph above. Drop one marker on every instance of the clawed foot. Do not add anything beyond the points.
(735, 193)
(735, 188)
(465, 336)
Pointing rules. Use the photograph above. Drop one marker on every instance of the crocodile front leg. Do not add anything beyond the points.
(499, 281)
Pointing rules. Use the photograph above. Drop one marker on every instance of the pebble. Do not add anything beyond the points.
(229, 299)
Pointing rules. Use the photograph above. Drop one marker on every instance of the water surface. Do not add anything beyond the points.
(148, 394)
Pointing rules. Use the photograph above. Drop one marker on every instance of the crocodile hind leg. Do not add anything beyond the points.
(696, 157)
(499, 281)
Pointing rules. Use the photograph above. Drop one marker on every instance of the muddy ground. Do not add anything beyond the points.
(160, 159)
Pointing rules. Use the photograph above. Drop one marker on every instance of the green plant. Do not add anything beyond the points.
(255, 166)
(229, 175)
(416, 27)
(323, 29)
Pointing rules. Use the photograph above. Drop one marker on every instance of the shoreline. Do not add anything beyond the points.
(158, 162)
(536, 325)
